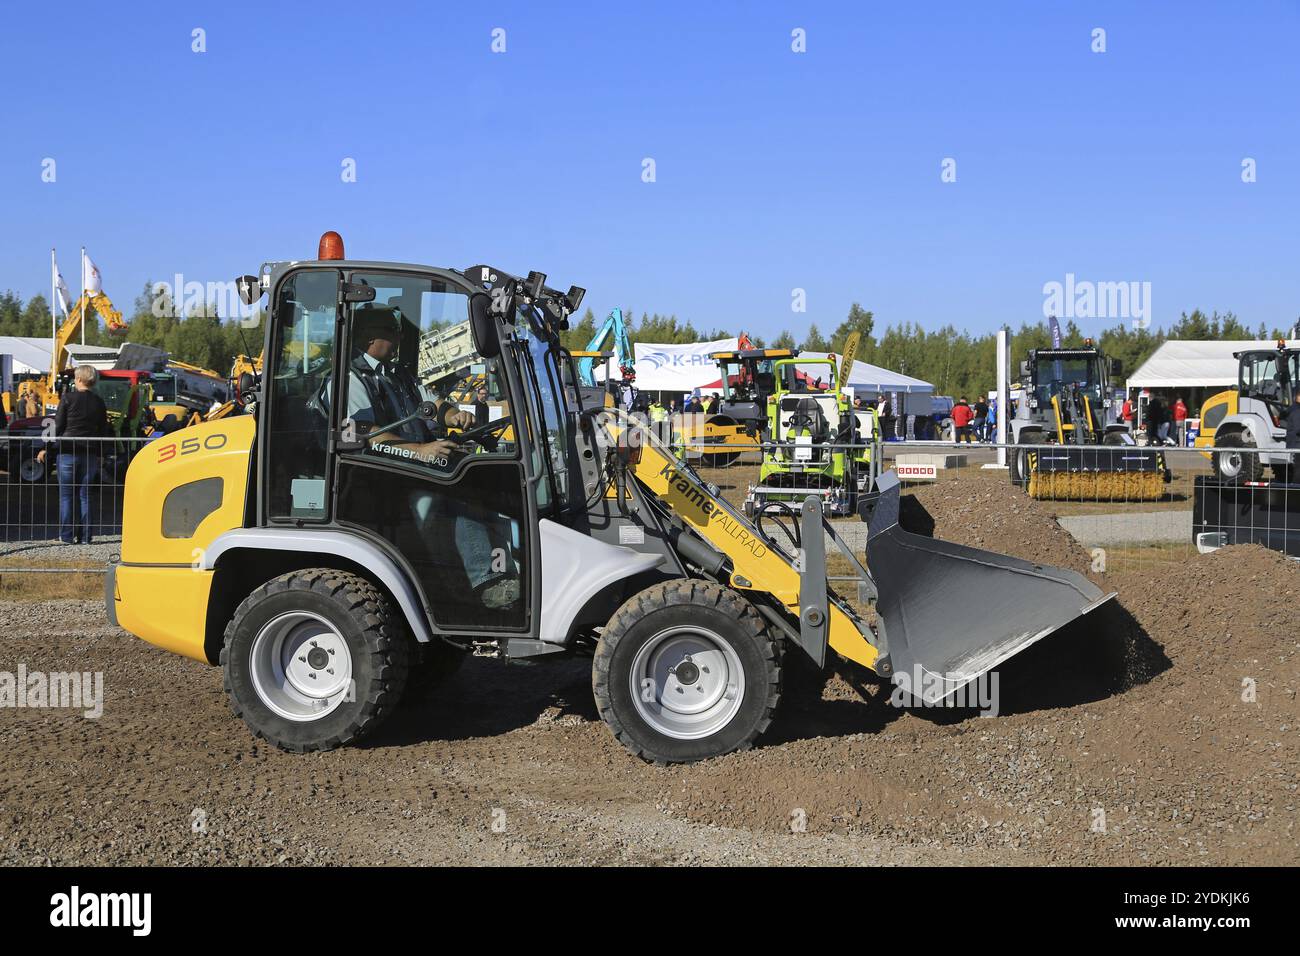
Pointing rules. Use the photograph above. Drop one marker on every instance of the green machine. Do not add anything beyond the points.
(817, 444)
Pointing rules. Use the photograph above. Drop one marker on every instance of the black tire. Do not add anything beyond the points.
(377, 642)
(1018, 459)
(692, 606)
(1236, 468)
(432, 665)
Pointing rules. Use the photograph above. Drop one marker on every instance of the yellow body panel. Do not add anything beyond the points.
(218, 449)
(761, 567)
(165, 606)
(1205, 437)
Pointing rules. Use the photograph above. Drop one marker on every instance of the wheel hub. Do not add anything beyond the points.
(301, 666)
(687, 682)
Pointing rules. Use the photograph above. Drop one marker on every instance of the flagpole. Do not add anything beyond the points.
(54, 300)
(83, 295)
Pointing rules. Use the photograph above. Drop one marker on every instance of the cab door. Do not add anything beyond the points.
(463, 523)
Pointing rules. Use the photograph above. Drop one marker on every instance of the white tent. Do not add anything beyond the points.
(1193, 363)
(864, 377)
(31, 354)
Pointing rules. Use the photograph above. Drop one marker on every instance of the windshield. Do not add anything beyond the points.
(808, 377)
(742, 379)
(1054, 377)
(115, 392)
(1270, 376)
(540, 360)
(164, 387)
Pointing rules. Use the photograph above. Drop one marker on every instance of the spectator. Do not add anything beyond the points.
(482, 415)
(82, 415)
(1180, 421)
(981, 420)
(992, 424)
(1157, 421)
(714, 404)
(1126, 413)
(962, 416)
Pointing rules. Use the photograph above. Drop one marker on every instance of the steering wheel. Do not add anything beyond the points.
(800, 419)
(480, 432)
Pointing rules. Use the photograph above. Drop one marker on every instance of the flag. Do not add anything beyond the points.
(94, 282)
(1056, 331)
(65, 297)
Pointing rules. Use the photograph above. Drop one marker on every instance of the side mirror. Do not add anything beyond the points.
(1024, 370)
(246, 383)
(482, 326)
(1116, 368)
(249, 289)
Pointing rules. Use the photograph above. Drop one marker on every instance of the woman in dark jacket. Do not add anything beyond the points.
(81, 415)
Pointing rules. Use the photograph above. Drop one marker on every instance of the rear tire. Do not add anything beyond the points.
(315, 659)
(1237, 466)
(686, 670)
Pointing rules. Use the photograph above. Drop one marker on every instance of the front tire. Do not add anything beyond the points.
(1018, 458)
(315, 659)
(686, 670)
(1237, 466)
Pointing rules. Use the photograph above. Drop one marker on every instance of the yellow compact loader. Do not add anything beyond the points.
(350, 538)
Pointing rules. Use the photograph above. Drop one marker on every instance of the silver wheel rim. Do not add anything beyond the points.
(301, 666)
(1230, 464)
(687, 682)
(31, 470)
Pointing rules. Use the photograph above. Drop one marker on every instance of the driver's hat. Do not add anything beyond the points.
(376, 321)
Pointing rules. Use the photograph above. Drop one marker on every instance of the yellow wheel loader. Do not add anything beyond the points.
(1073, 445)
(341, 544)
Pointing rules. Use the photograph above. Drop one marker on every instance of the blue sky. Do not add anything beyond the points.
(775, 170)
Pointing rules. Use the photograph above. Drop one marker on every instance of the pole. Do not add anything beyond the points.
(83, 295)
(54, 299)
(1004, 394)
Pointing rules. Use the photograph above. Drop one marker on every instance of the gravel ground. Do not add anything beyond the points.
(55, 553)
(1164, 731)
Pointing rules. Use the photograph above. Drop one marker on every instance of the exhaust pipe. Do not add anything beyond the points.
(948, 613)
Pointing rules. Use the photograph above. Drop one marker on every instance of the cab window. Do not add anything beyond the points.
(411, 345)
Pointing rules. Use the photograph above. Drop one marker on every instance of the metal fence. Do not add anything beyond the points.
(1122, 504)
(59, 491)
(1125, 505)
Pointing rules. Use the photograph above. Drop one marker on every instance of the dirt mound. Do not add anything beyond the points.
(984, 510)
(1163, 730)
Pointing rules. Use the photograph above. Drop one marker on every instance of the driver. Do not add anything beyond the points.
(381, 391)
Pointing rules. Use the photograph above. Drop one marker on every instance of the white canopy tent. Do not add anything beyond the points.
(864, 377)
(1193, 363)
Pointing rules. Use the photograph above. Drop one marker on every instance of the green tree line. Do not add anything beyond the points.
(954, 360)
(199, 337)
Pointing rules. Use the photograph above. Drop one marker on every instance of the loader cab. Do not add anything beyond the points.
(1269, 376)
(367, 366)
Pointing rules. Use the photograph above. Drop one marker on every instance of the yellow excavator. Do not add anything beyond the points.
(37, 397)
(343, 547)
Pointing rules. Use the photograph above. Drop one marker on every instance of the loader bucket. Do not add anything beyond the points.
(1097, 473)
(949, 613)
